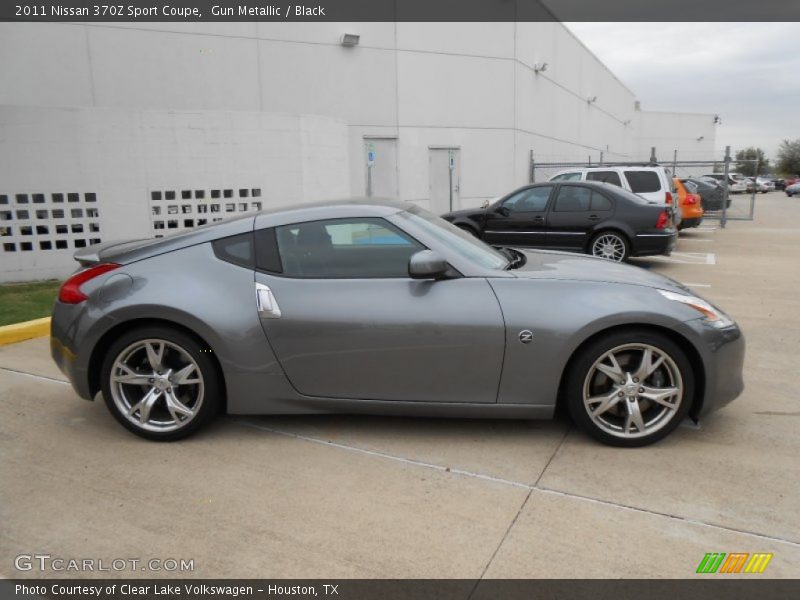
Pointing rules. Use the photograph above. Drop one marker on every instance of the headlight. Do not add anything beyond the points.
(714, 316)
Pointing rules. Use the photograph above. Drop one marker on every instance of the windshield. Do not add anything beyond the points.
(466, 245)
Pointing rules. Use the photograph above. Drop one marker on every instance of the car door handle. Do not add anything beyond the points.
(266, 303)
(538, 219)
(593, 217)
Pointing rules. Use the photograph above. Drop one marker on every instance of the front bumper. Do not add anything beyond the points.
(722, 353)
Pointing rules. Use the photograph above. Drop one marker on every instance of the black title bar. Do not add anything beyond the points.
(400, 10)
(701, 588)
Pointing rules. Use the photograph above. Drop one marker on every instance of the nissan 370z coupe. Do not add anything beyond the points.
(383, 308)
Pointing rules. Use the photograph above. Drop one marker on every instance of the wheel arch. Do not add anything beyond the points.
(609, 228)
(694, 357)
(104, 343)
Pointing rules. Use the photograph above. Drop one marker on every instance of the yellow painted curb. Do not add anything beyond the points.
(9, 334)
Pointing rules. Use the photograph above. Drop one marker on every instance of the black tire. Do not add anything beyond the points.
(626, 247)
(582, 365)
(210, 399)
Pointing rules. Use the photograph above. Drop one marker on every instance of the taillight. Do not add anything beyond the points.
(663, 218)
(669, 198)
(70, 292)
(691, 199)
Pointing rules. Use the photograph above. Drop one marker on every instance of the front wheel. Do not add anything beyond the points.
(160, 383)
(630, 388)
(610, 245)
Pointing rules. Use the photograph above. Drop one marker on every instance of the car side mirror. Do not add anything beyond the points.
(502, 210)
(427, 264)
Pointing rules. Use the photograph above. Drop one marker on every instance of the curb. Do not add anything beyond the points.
(10, 334)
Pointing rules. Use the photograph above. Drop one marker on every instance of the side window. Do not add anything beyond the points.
(604, 176)
(601, 203)
(236, 249)
(530, 200)
(575, 176)
(357, 248)
(642, 182)
(572, 198)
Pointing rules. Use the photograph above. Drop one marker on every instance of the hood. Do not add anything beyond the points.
(544, 264)
(469, 212)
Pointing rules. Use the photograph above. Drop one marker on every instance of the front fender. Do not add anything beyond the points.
(562, 314)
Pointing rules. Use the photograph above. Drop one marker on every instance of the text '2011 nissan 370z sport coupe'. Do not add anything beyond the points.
(383, 308)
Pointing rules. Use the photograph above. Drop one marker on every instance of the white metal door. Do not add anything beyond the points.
(443, 173)
(380, 160)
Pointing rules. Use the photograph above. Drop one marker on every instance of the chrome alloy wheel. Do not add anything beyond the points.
(633, 390)
(610, 246)
(156, 385)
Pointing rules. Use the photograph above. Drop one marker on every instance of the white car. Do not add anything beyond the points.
(735, 185)
(653, 183)
(761, 185)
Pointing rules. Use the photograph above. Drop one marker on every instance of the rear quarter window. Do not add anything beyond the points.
(236, 249)
(642, 182)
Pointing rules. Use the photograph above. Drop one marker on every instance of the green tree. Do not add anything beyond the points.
(789, 157)
(748, 169)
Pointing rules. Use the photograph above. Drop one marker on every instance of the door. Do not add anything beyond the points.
(520, 219)
(444, 179)
(576, 212)
(346, 321)
(380, 160)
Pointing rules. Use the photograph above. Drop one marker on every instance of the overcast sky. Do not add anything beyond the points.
(748, 73)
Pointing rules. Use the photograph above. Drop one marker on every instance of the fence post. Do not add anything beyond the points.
(653, 159)
(675, 163)
(532, 174)
(755, 189)
(601, 158)
(726, 188)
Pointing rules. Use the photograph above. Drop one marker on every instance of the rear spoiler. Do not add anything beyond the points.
(94, 254)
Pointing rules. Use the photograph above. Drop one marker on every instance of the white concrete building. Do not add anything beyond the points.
(132, 130)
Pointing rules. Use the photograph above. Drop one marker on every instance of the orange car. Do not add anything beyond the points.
(691, 205)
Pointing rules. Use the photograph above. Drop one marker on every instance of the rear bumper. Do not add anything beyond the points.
(65, 346)
(692, 222)
(649, 244)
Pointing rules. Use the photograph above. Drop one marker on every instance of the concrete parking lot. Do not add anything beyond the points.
(345, 496)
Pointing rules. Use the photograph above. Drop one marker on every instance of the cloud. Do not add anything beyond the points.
(745, 72)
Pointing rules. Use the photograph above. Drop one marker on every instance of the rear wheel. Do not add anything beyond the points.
(158, 383)
(630, 388)
(609, 244)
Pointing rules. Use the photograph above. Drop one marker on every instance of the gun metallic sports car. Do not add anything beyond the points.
(383, 308)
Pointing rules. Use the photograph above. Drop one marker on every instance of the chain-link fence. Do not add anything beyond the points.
(735, 201)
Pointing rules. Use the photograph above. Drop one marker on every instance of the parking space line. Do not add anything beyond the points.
(393, 457)
(688, 258)
(694, 239)
(42, 377)
(703, 285)
(517, 484)
(705, 228)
